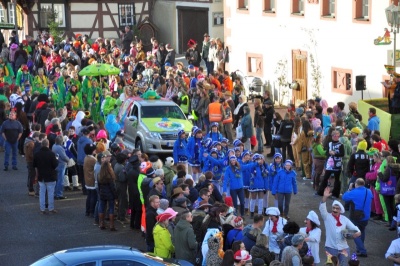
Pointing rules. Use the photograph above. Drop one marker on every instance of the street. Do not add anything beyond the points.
(28, 235)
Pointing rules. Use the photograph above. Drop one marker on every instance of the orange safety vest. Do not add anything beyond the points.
(228, 115)
(214, 112)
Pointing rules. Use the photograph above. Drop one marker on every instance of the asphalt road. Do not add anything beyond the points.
(27, 235)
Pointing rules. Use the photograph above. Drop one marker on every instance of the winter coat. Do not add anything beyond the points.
(285, 182)
(168, 178)
(261, 252)
(107, 191)
(198, 217)
(235, 177)
(213, 165)
(82, 141)
(247, 126)
(46, 163)
(29, 145)
(88, 170)
(185, 241)
(372, 175)
(358, 164)
(180, 150)
(285, 130)
(259, 178)
(373, 123)
(163, 246)
(60, 152)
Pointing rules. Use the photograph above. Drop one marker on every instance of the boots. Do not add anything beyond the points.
(112, 227)
(101, 221)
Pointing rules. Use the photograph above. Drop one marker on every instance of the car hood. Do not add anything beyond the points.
(163, 125)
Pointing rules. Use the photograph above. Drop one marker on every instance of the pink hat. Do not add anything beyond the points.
(102, 134)
(171, 212)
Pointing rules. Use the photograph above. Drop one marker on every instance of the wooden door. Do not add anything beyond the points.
(192, 24)
(299, 74)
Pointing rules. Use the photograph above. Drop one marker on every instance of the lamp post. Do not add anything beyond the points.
(393, 19)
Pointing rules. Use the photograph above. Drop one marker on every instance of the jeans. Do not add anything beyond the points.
(103, 205)
(206, 123)
(359, 241)
(260, 143)
(2, 140)
(49, 187)
(10, 148)
(247, 145)
(235, 193)
(284, 198)
(91, 200)
(343, 260)
(60, 179)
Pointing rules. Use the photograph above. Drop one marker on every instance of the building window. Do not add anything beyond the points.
(361, 10)
(11, 13)
(218, 18)
(126, 15)
(243, 4)
(298, 7)
(341, 81)
(47, 10)
(269, 6)
(254, 64)
(328, 8)
(2, 17)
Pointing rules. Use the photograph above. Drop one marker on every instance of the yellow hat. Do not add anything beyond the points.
(362, 145)
(355, 130)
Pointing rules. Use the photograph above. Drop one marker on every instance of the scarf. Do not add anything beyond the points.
(337, 220)
(237, 108)
(275, 227)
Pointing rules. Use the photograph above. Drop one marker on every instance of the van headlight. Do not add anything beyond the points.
(153, 135)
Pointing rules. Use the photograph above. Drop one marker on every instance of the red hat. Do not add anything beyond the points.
(242, 255)
(163, 217)
(24, 68)
(25, 42)
(229, 201)
(103, 51)
(191, 42)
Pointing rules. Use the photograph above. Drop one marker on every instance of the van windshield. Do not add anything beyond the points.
(162, 111)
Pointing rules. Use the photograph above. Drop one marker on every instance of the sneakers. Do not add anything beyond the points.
(60, 198)
(305, 178)
(31, 193)
(362, 255)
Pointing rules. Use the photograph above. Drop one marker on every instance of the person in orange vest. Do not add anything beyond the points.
(228, 84)
(215, 111)
(227, 120)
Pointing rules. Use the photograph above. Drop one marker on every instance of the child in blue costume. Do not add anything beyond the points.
(258, 183)
(204, 148)
(234, 179)
(181, 155)
(194, 147)
(238, 153)
(216, 166)
(274, 168)
(245, 159)
(224, 144)
(284, 185)
(214, 133)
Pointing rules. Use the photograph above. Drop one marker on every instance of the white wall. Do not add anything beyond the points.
(340, 43)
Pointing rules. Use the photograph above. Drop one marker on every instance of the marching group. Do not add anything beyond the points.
(193, 206)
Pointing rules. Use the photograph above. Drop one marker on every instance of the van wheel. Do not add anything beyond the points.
(139, 145)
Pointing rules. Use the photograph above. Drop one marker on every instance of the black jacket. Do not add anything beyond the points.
(151, 215)
(46, 163)
(285, 130)
(358, 164)
(269, 115)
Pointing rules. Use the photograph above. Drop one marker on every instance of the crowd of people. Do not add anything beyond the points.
(232, 164)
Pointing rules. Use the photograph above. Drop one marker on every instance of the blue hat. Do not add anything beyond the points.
(277, 155)
(206, 143)
(244, 153)
(289, 162)
(181, 132)
(194, 128)
(214, 124)
(236, 149)
(214, 150)
(191, 66)
(167, 64)
(225, 140)
(230, 151)
(215, 143)
(237, 142)
(232, 158)
(198, 130)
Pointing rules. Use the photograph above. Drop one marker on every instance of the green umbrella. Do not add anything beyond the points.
(99, 70)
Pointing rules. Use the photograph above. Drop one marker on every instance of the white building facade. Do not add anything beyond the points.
(335, 35)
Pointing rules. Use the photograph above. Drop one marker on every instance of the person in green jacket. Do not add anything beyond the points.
(344, 176)
(86, 88)
(185, 239)
(95, 96)
(163, 246)
(23, 75)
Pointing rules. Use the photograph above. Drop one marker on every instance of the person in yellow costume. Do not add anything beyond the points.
(52, 93)
(74, 97)
(8, 73)
(40, 82)
(75, 80)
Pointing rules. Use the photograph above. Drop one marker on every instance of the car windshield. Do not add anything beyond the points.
(162, 111)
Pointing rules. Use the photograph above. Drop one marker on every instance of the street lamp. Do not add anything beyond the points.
(393, 19)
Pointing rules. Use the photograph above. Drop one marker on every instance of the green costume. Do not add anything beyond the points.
(344, 176)
(77, 83)
(53, 94)
(95, 94)
(86, 88)
(62, 92)
(40, 84)
(8, 72)
(22, 78)
(111, 106)
(75, 99)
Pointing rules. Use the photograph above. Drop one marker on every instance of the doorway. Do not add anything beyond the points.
(299, 74)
